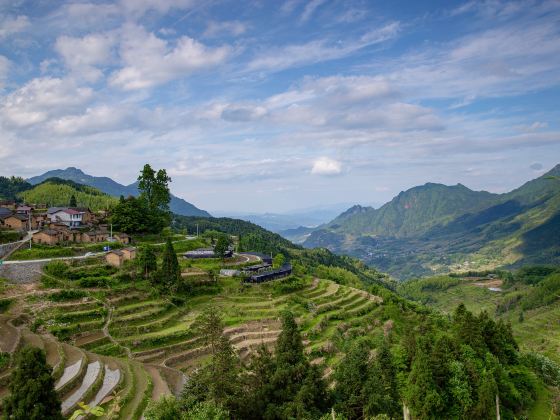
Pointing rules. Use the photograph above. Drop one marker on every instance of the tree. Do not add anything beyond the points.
(222, 246)
(146, 260)
(32, 394)
(170, 273)
(154, 192)
(422, 394)
(210, 327)
(350, 377)
(130, 216)
(73, 202)
(278, 260)
(166, 408)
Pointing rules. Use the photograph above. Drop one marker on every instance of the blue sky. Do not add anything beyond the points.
(270, 106)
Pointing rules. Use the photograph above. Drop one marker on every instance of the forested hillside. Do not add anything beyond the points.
(58, 192)
(435, 229)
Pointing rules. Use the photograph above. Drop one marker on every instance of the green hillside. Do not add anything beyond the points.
(436, 229)
(57, 192)
(89, 315)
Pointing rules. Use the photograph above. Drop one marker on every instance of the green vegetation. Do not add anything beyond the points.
(10, 188)
(58, 192)
(32, 395)
(149, 213)
(435, 229)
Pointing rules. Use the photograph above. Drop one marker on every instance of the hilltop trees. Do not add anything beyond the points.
(149, 213)
(32, 395)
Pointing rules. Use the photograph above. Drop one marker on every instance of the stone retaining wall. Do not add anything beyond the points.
(6, 249)
(22, 273)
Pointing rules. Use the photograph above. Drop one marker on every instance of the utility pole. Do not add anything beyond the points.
(497, 407)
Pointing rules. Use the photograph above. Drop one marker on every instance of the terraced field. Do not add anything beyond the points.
(139, 346)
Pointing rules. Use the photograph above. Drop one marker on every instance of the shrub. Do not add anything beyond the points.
(99, 281)
(5, 304)
(56, 269)
(67, 294)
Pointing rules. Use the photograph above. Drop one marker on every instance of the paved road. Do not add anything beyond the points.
(78, 257)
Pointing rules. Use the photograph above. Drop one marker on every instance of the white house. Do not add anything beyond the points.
(70, 217)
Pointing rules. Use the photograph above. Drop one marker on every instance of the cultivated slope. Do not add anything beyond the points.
(108, 186)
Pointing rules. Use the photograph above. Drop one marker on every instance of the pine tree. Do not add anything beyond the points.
(350, 378)
(73, 202)
(170, 272)
(381, 386)
(32, 394)
(422, 394)
(146, 260)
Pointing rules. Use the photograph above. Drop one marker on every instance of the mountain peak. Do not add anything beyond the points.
(554, 171)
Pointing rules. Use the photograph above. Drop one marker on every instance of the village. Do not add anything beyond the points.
(66, 226)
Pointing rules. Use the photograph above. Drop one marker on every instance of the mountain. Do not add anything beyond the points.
(108, 186)
(436, 228)
(57, 192)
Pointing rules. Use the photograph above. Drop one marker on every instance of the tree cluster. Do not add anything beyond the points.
(275, 385)
(149, 212)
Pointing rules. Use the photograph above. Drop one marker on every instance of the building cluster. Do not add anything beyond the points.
(58, 224)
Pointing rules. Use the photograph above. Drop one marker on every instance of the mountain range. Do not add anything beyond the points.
(434, 228)
(111, 187)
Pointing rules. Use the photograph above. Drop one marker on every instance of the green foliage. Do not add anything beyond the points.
(166, 408)
(41, 251)
(154, 193)
(338, 275)
(421, 290)
(278, 260)
(73, 202)
(56, 192)
(222, 246)
(533, 274)
(11, 187)
(169, 275)
(56, 269)
(131, 215)
(5, 304)
(85, 410)
(7, 236)
(32, 395)
(544, 293)
(146, 260)
(4, 360)
(546, 369)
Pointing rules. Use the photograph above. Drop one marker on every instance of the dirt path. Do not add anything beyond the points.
(160, 386)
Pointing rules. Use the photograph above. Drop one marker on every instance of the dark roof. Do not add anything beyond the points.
(49, 232)
(4, 212)
(22, 217)
(52, 210)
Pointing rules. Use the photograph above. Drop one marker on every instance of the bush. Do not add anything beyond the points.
(94, 271)
(98, 281)
(546, 369)
(5, 304)
(4, 360)
(67, 294)
(56, 269)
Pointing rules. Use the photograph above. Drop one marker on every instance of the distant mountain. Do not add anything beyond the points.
(108, 186)
(432, 228)
(279, 222)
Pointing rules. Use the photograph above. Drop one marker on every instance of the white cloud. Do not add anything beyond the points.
(82, 55)
(150, 61)
(10, 25)
(40, 99)
(232, 27)
(310, 9)
(321, 50)
(326, 166)
(137, 8)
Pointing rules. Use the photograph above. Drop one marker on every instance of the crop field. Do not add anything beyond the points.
(128, 341)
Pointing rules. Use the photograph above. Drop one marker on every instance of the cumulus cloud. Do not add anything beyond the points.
(83, 55)
(40, 99)
(326, 166)
(150, 61)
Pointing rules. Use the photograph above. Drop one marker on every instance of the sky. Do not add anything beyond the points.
(256, 106)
